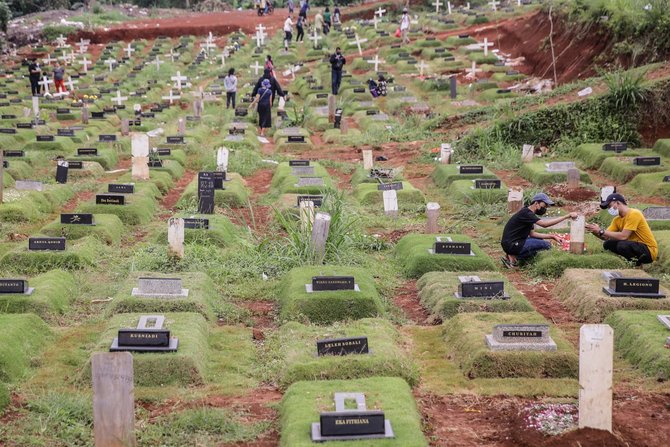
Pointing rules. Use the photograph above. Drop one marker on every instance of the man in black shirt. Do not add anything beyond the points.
(337, 61)
(519, 240)
(34, 73)
(274, 85)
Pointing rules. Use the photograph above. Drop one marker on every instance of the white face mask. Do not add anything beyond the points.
(613, 211)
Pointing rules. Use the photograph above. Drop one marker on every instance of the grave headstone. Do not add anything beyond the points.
(61, 171)
(15, 286)
(596, 366)
(520, 337)
(343, 424)
(560, 166)
(176, 237)
(432, 216)
(28, 185)
(121, 188)
(206, 189)
(148, 336)
(77, 219)
(647, 161)
(46, 243)
(474, 287)
(320, 231)
(110, 199)
(449, 247)
(342, 346)
(159, 288)
(621, 286)
(471, 169)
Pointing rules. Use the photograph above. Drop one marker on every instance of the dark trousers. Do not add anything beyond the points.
(632, 251)
(337, 80)
(531, 247)
(300, 35)
(230, 98)
(34, 86)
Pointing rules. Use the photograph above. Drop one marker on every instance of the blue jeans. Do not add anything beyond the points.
(337, 79)
(531, 247)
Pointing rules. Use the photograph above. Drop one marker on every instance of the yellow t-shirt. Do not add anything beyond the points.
(634, 221)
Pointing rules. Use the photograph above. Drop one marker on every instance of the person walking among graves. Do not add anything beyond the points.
(318, 22)
(291, 6)
(336, 17)
(326, 21)
(274, 85)
(628, 234)
(303, 10)
(404, 26)
(520, 241)
(230, 84)
(34, 73)
(288, 31)
(59, 78)
(299, 25)
(337, 61)
(269, 65)
(264, 100)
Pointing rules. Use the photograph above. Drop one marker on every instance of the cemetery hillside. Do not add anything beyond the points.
(379, 223)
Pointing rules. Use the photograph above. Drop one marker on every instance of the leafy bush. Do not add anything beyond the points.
(51, 32)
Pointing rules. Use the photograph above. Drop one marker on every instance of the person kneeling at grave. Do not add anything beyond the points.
(519, 241)
(629, 234)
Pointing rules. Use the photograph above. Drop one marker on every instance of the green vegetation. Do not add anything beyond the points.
(54, 291)
(108, 228)
(22, 339)
(77, 255)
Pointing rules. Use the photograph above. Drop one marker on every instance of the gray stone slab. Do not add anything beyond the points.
(665, 319)
(160, 287)
(234, 138)
(310, 181)
(657, 213)
(308, 289)
(341, 398)
(316, 434)
(516, 333)
(174, 345)
(156, 322)
(497, 346)
(302, 170)
(560, 166)
(29, 185)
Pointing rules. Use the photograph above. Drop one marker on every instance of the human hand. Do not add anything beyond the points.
(593, 228)
(573, 215)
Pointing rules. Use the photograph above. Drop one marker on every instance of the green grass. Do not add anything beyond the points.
(444, 175)
(203, 297)
(184, 367)
(652, 184)
(328, 306)
(21, 340)
(173, 167)
(463, 191)
(304, 401)
(54, 291)
(436, 292)
(465, 337)
(412, 253)
(235, 194)
(536, 173)
(622, 169)
(662, 146)
(77, 255)
(108, 228)
(552, 263)
(285, 183)
(368, 194)
(581, 292)
(592, 155)
(222, 232)
(138, 208)
(4, 396)
(107, 158)
(291, 353)
(640, 338)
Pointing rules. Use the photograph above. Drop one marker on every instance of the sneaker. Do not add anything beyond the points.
(509, 264)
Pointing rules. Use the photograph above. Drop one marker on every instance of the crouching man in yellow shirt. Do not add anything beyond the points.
(629, 234)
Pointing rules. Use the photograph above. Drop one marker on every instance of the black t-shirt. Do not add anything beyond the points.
(32, 67)
(517, 230)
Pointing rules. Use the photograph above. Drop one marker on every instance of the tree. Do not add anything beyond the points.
(5, 16)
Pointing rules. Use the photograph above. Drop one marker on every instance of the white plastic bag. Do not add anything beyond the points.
(282, 104)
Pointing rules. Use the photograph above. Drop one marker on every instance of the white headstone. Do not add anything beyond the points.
(176, 237)
(222, 159)
(596, 352)
(390, 202)
(368, 163)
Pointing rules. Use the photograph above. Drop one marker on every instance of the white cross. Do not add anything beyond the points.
(518, 3)
(415, 20)
(467, 6)
(61, 40)
(494, 5)
(85, 62)
(315, 37)
(224, 55)
(422, 66)
(358, 43)
(380, 12)
(259, 37)
(171, 97)
(111, 63)
(376, 61)
(486, 46)
(173, 55)
(83, 45)
(70, 83)
(291, 70)
(256, 67)
(129, 50)
(437, 5)
(472, 73)
(375, 21)
(158, 63)
(118, 99)
(67, 58)
(178, 78)
(449, 7)
(45, 83)
(48, 60)
(208, 46)
(260, 28)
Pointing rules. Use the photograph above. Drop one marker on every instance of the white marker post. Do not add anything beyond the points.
(256, 67)
(171, 97)
(596, 355)
(176, 237)
(178, 78)
(118, 99)
(376, 61)
(320, 235)
(357, 41)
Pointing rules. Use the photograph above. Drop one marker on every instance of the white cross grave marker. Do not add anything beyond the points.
(449, 7)
(494, 5)
(70, 83)
(158, 63)
(111, 63)
(118, 99)
(472, 73)
(173, 55)
(171, 97)
(422, 66)
(486, 46)
(315, 38)
(45, 83)
(380, 12)
(437, 5)
(83, 45)
(48, 60)
(256, 67)
(358, 43)
(85, 62)
(178, 78)
(375, 21)
(61, 40)
(376, 61)
(129, 50)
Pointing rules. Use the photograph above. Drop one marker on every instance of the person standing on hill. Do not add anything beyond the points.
(274, 85)
(269, 65)
(264, 100)
(303, 10)
(629, 234)
(519, 240)
(404, 26)
(230, 84)
(291, 6)
(337, 61)
(59, 78)
(288, 31)
(326, 21)
(299, 25)
(34, 73)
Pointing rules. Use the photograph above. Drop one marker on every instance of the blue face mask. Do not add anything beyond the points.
(613, 211)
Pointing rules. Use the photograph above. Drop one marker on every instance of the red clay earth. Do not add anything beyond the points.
(407, 298)
(172, 197)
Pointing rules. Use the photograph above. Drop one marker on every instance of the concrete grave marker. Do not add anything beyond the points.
(520, 337)
(596, 361)
(159, 288)
(176, 237)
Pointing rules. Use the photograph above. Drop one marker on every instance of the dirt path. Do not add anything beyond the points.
(406, 298)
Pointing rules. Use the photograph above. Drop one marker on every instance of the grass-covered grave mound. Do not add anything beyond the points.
(465, 338)
(22, 339)
(138, 208)
(292, 352)
(184, 367)
(78, 254)
(108, 228)
(444, 175)
(368, 193)
(640, 338)
(220, 232)
(54, 291)
(622, 169)
(285, 182)
(412, 251)
(464, 191)
(234, 195)
(437, 294)
(327, 307)
(304, 401)
(581, 291)
(592, 155)
(536, 173)
(203, 297)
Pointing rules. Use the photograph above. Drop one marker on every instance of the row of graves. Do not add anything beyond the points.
(335, 324)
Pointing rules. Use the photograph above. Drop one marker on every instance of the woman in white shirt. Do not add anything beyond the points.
(404, 26)
(230, 84)
(288, 31)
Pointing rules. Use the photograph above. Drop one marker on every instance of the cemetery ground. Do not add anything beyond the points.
(243, 298)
